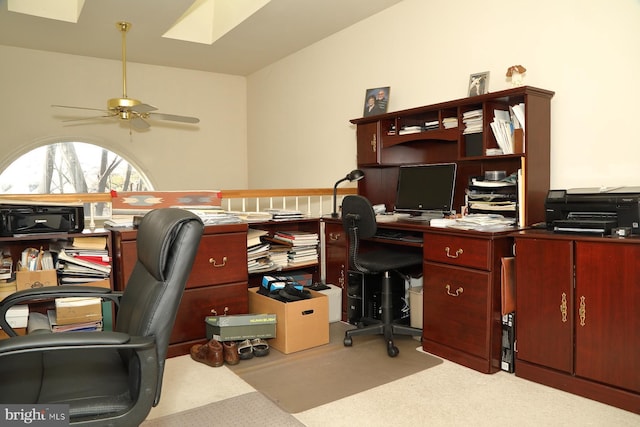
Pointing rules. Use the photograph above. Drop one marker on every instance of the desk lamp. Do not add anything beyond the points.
(354, 175)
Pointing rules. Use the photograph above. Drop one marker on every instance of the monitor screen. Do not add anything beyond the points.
(424, 188)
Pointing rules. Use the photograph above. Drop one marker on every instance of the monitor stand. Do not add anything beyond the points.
(425, 216)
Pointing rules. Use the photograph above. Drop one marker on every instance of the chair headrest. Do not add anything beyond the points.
(156, 234)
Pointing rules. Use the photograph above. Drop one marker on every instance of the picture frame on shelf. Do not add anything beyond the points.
(376, 101)
(478, 84)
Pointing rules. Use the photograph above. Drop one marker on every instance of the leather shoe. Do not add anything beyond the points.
(210, 353)
(231, 352)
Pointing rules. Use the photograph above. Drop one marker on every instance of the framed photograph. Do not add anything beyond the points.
(376, 101)
(478, 83)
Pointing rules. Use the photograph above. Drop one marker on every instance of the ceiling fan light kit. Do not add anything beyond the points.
(128, 109)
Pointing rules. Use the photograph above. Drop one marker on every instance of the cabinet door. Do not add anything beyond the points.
(544, 302)
(607, 313)
(336, 258)
(455, 308)
(368, 137)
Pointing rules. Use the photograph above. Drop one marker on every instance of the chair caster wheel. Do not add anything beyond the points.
(392, 350)
(348, 342)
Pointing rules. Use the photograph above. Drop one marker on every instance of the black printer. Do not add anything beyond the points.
(35, 218)
(595, 211)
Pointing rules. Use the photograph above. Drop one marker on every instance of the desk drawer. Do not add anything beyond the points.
(221, 258)
(197, 304)
(455, 308)
(456, 250)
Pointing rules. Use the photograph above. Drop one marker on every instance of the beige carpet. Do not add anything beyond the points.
(310, 378)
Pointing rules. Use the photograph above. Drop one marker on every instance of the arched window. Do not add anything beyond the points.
(71, 167)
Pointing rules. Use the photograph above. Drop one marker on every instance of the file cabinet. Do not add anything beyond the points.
(217, 284)
(461, 297)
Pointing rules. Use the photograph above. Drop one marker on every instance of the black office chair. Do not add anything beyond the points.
(110, 377)
(359, 221)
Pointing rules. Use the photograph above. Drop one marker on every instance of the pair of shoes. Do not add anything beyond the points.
(231, 355)
(260, 347)
(210, 353)
(245, 350)
(255, 347)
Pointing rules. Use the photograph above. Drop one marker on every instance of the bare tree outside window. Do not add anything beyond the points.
(72, 167)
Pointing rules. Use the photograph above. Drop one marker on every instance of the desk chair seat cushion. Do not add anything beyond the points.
(386, 260)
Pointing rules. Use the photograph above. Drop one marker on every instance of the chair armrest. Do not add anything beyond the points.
(51, 292)
(68, 340)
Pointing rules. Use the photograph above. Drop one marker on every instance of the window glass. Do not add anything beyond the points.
(72, 167)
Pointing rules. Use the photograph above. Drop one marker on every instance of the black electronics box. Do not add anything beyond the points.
(364, 298)
(30, 219)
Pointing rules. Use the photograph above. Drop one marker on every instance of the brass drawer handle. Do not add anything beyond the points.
(563, 307)
(458, 291)
(448, 252)
(215, 313)
(334, 236)
(582, 311)
(212, 261)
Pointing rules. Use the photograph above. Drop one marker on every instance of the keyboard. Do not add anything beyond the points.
(398, 235)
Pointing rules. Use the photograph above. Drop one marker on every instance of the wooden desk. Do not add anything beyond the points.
(462, 319)
(219, 280)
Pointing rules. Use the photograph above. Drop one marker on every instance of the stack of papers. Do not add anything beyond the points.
(483, 222)
(473, 121)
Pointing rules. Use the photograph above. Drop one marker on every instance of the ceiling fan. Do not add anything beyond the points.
(131, 110)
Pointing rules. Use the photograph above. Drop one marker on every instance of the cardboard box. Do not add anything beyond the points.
(78, 310)
(26, 279)
(241, 327)
(335, 302)
(19, 331)
(300, 325)
(415, 306)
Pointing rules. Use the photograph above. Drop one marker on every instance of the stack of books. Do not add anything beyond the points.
(284, 215)
(84, 261)
(450, 122)
(301, 247)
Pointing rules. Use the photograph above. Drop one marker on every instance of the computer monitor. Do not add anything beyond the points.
(426, 188)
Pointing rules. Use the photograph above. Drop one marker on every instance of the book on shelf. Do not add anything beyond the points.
(296, 238)
(89, 242)
(254, 236)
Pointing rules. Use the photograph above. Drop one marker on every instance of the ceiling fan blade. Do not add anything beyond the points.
(143, 108)
(89, 118)
(174, 118)
(138, 123)
(79, 108)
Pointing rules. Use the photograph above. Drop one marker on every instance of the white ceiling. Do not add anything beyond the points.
(275, 31)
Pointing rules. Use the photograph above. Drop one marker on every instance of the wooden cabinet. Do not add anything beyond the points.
(577, 319)
(336, 258)
(461, 297)
(217, 283)
(382, 149)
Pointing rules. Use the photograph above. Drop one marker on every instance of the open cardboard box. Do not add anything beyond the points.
(300, 325)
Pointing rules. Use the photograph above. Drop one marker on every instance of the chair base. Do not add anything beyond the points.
(386, 326)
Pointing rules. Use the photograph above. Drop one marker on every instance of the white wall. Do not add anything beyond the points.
(587, 51)
(211, 155)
